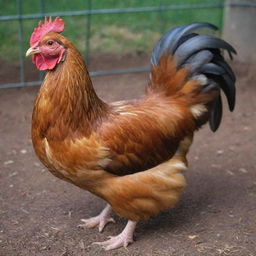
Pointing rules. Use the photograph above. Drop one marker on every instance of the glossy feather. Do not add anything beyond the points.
(201, 54)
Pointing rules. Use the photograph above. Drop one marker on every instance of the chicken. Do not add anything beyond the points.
(130, 153)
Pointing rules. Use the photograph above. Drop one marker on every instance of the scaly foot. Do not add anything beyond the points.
(123, 239)
(101, 220)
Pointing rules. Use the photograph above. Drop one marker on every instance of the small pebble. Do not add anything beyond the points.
(192, 237)
(243, 170)
(54, 228)
(246, 128)
(230, 172)
(8, 162)
(13, 174)
(220, 152)
(23, 151)
(25, 211)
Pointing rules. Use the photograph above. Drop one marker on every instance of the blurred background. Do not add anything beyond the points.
(107, 29)
(111, 30)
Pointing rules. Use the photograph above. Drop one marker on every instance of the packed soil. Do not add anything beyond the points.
(39, 213)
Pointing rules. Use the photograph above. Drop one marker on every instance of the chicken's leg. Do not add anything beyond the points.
(123, 239)
(100, 220)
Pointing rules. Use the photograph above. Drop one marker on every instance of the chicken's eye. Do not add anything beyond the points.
(50, 42)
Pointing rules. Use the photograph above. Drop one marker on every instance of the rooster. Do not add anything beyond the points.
(130, 153)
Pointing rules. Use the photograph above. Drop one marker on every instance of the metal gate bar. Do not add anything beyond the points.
(113, 11)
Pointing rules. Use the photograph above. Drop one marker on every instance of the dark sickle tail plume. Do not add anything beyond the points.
(201, 54)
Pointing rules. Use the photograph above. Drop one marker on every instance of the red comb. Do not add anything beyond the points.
(49, 26)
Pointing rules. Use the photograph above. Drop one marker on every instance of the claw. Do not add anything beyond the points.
(115, 242)
(122, 240)
(95, 221)
(104, 223)
(101, 220)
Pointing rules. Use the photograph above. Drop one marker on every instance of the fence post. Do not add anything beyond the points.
(239, 27)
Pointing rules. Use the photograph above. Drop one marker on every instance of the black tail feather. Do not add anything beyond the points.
(216, 114)
(202, 55)
(198, 43)
(227, 68)
(198, 60)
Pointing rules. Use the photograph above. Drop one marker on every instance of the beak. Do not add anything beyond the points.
(32, 50)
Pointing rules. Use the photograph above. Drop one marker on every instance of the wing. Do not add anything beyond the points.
(143, 133)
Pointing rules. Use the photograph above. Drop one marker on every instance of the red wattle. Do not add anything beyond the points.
(43, 63)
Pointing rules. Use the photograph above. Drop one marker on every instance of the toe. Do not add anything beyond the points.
(115, 242)
(104, 222)
(103, 244)
(88, 223)
(113, 246)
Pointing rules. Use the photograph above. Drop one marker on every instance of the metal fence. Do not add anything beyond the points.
(88, 13)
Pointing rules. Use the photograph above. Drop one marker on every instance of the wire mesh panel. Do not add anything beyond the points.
(97, 28)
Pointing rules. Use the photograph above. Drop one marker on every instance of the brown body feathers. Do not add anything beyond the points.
(129, 153)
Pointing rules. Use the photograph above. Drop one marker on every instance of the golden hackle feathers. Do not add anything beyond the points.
(166, 78)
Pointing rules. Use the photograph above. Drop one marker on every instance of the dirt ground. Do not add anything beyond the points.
(216, 215)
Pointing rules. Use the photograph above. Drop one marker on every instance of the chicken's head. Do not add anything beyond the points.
(46, 49)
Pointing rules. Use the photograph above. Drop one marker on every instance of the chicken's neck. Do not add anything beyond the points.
(67, 100)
